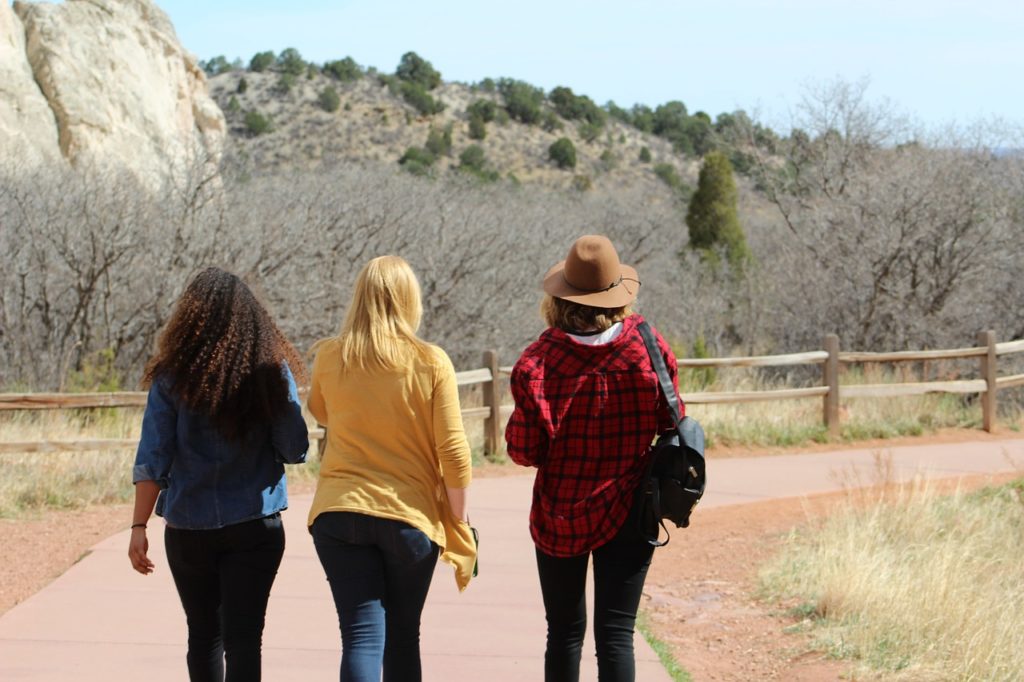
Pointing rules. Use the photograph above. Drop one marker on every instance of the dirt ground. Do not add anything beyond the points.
(699, 597)
(37, 549)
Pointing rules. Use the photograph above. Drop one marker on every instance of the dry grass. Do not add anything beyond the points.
(912, 583)
(33, 481)
(66, 480)
(70, 480)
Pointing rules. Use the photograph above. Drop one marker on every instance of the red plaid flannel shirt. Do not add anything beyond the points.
(585, 416)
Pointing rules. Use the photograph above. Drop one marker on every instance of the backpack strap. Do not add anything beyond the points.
(650, 487)
(658, 362)
(656, 506)
(672, 399)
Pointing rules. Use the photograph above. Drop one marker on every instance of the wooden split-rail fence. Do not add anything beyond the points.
(494, 411)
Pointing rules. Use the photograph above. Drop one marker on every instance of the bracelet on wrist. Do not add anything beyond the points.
(138, 525)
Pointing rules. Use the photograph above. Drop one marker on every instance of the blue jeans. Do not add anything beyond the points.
(379, 571)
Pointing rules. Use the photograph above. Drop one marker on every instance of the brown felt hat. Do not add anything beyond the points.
(592, 275)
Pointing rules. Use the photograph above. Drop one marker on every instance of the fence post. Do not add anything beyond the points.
(830, 377)
(492, 399)
(988, 373)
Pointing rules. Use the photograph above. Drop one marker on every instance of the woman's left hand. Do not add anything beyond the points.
(458, 500)
(138, 550)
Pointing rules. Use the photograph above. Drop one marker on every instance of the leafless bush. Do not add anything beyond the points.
(90, 260)
(94, 261)
(480, 251)
(892, 239)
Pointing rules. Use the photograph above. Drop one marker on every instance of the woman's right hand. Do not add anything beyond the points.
(138, 550)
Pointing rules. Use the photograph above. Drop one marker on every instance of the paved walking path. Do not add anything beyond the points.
(101, 621)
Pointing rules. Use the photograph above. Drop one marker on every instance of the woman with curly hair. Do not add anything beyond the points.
(392, 487)
(222, 416)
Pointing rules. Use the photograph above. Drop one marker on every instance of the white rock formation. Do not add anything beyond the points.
(28, 130)
(121, 89)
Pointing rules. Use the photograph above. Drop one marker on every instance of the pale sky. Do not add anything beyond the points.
(941, 61)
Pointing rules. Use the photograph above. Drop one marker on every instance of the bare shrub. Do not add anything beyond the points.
(891, 237)
(94, 261)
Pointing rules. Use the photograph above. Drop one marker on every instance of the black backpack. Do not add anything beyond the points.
(674, 480)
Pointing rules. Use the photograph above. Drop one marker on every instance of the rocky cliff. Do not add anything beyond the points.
(102, 82)
(28, 130)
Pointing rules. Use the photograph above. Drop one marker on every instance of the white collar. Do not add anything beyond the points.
(607, 336)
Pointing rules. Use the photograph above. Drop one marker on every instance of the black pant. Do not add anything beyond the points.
(620, 568)
(224, 578)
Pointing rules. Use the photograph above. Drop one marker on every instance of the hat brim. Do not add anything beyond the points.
(618, 296)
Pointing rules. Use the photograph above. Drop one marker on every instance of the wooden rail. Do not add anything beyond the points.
(753, 396)
(919, 388)
(67, 401)
(911, 355)
(1008, 347)
(813, 357)
(70, 445)
(1011, 381)
(494, 413)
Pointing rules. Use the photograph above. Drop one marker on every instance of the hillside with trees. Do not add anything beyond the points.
(285, 112)
(746, 240)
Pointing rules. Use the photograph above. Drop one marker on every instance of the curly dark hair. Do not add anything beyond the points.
(222, 355)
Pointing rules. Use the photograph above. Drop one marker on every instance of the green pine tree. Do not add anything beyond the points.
(712, 217)
(415, 69)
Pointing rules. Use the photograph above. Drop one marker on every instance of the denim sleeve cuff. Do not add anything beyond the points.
(145, 472)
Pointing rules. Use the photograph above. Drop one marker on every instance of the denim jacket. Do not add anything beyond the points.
(208, 481)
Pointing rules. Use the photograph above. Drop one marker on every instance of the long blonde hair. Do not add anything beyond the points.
(379, 330)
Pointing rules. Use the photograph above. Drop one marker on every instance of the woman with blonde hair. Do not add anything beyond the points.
(587, 407)
(393, 480)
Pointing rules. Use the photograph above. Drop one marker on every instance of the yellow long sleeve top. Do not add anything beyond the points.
(394, 441)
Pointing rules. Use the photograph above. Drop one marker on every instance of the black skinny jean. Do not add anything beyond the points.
(620, 568)
(224, 578)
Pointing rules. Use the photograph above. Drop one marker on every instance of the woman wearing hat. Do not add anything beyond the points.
(587, 407)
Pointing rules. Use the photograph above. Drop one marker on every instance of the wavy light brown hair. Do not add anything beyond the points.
(222, 355)
(576, 317)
